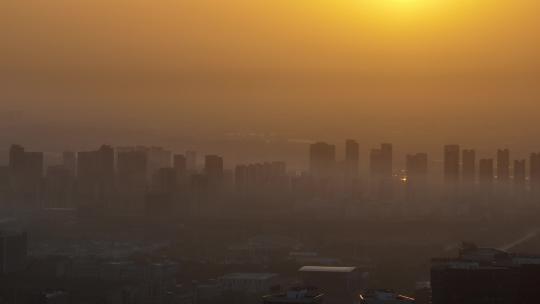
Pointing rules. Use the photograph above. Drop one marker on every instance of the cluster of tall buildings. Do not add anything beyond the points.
(130, 177)
(102, 178)
(463, 166)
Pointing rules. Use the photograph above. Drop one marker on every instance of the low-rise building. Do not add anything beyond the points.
(249, 282)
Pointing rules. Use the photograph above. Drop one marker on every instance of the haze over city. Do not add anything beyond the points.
(256, 151)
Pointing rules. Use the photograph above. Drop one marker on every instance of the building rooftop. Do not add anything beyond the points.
(327, 269)
(296, 295)
(249, 276)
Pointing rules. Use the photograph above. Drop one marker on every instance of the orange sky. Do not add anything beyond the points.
(413, 69)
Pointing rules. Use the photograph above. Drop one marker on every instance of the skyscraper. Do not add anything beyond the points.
(503, 165)
(486, 172)
(95, 172)
(520, 173)
(468, 172)
(69, 161)
(132, 171)
(417, 168)
(191, 160)
(380, 167)
(180, 165)
(322, 160)
(164, 180)
(352, 158)
(535, 171)
(25, 173)
(451, 164)
(381, 162)
(213, 166)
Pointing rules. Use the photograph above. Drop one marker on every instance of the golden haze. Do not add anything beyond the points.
(395, 67)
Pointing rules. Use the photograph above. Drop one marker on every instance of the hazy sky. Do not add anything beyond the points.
(409, 70)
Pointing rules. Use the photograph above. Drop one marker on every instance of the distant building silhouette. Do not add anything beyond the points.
(164, 180)
(132, 171)
(486, 172)
(535, 171)
(213, 166)
(468, 171)
(520, 172)
(214, 173)
(96, 175)
(191, 160)
(417, 170)
(59, 187)
(381, 162)
(381, 172)
(503, 165)
(181, 169)
(261, 178)
(69, 161)
(352, 158)
(25, 174)
(156, 158)
(451, 164)
(322, 160)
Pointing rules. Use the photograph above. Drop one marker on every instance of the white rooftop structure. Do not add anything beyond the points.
(327, 269)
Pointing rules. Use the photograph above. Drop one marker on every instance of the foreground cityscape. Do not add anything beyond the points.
(145, 225)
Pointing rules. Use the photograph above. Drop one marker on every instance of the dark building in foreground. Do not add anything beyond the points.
(13, 251)
(485, 275)
(339, 284)
(297, 295)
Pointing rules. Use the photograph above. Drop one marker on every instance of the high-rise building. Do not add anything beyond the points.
(268, 176)
(69, 161)
(191, 160)
(95, 173)
(132, 170)
(25, 174)
(381, 172)
(59, 184)
(322, 160)
(213, 166)
(535, 171)
(352, 158)
(520, 170)
(17, 159)
(157, 157)
(164, 180)
(486, 171)
(381, 162)
(180, 164)
(451, 164)
(503, 165)
(417, 168)
(468, 172)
